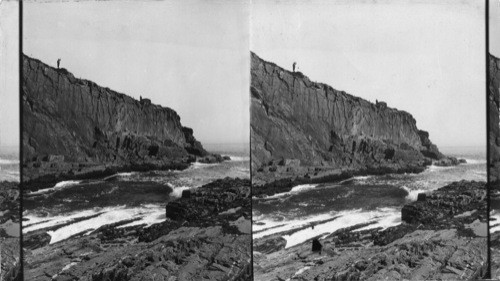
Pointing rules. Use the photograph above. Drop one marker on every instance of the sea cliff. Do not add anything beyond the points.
(75, 128)
(304, 130)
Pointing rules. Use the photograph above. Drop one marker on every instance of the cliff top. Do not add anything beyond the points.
(300, 75)
(89, 83)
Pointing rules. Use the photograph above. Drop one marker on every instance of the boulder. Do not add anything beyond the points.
(316, 245)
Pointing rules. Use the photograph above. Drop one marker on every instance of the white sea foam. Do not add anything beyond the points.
(198, 165)
(125, 174)
(294, 190)
(177, 191)
(271, 226)
(239, 158)
(8, 161)
(494, 224)
(34, 222)
(474, 161)
(434, 168)
(382, 217)
(146, 214)
(413, 193)
(58, 186)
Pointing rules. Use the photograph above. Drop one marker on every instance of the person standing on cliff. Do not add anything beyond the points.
(58, 63)
(294, 64)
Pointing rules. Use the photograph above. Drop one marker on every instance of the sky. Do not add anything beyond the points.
(191, 56)
(9, 73)
(494, 26)
(418, 56)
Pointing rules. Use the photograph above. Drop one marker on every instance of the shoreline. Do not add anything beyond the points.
(332, 176)
(9, 244)
(450, 214)
(68, 171)
(215, 218)
(285, 184)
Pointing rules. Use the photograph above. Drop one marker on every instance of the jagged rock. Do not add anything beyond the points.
(443, 204)
(186, 194)
(200, 245)
(36, 240)
(213, 158)
(316, 245)
(80, 128)
(10, 248)
(318, 126)
(447, 161)
(423, 247)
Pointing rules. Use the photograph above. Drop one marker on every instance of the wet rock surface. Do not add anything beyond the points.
(450, 245)
(9, 232)
(206, 238)
(74, 128)
(304, 129)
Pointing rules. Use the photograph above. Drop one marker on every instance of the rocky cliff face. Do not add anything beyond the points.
(494, 128)
(299, 123)
(70, 120)
(494, 155)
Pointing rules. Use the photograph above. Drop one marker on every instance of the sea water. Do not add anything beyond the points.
(9, 163)
(80, 207)
(364, 199)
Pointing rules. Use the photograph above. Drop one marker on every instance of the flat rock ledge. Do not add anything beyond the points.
(209, 242)
(442, 237)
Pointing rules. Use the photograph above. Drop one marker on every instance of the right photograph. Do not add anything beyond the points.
(368, 140)
(494, 134)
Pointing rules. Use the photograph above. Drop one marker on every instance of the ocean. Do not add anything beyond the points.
(9, 163)
(363, 199)
(79, 207)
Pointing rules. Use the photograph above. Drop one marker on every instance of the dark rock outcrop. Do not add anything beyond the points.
(10, 247)
(442, 205)
(308, 129)
(73, 127)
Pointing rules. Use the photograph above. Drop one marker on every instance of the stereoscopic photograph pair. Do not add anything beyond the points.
(249, 140)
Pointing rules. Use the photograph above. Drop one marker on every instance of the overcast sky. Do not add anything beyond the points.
(189, 55)
(9, 73)
(421, 57)
(494, 18)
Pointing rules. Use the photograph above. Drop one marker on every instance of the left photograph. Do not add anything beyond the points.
(10, 216)
(135, 140)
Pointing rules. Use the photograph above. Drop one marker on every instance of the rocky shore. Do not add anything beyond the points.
(443, 236)
(10, 231)
(206, 235)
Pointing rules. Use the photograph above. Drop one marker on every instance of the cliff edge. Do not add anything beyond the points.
(74, 127)
(301, 128)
